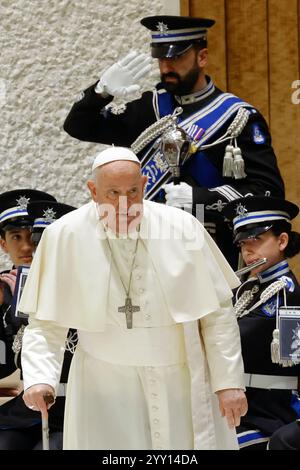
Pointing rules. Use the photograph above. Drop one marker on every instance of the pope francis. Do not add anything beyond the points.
(158, 362)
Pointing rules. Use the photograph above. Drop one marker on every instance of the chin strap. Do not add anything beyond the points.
(267, 294)
(233, 163)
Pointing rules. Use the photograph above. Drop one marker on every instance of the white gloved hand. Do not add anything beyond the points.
(179, 195)
(120, 79)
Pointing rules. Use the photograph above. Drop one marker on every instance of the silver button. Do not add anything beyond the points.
(156, 421)
(157, 435)
(147, 316)
(79, 97)
(154, 408)
(141, 290)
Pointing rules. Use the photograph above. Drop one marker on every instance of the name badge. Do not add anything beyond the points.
(289, 333)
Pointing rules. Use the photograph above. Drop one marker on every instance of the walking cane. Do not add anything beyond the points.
(49, 399)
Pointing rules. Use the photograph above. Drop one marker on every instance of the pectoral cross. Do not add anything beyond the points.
(128, 309)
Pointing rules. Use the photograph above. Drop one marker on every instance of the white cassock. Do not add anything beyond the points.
(152, 386)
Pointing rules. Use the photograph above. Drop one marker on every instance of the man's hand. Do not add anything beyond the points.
(121, 78)
(233, 405)
(39, 397)
(10, 280)
(179, 195)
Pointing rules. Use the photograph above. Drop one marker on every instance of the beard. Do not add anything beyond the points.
(184, 85)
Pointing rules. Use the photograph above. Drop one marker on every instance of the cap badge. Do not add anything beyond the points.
(240, 210)
(22, 202)
(162, 28)
(49, 215)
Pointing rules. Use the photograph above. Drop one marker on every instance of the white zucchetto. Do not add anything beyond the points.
(113, 154)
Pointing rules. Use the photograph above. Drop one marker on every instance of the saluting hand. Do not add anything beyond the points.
(121, 78)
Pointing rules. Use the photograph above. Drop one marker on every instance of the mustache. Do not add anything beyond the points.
(170, 75)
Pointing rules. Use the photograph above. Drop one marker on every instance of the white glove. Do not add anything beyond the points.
(120, 79)
(179, 195)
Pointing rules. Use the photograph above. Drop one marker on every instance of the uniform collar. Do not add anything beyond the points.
(198, 95)
(274, 272)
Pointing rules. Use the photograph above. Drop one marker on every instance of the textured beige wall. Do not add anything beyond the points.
(50, 50)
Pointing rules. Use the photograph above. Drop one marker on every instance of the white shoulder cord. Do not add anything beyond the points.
(234, 130)
(269, 292)
(155, 130)
(155, 103)
(246, 297)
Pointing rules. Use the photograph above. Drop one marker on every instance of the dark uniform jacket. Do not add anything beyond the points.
(14, 413)
(90, 120)
(269, 409)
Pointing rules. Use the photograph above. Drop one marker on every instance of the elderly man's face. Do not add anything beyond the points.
(118, 189)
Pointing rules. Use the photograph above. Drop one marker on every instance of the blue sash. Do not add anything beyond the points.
(201, 126)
